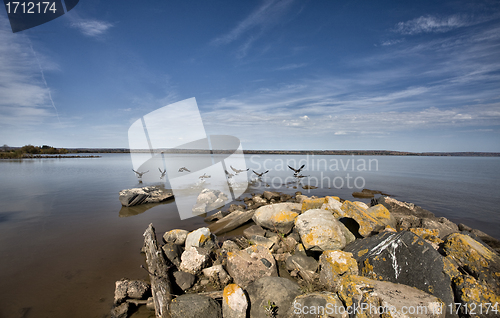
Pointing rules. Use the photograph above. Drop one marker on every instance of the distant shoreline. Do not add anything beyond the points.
(263, 152)
(300, 152)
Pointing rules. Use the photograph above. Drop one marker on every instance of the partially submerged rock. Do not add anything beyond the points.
(136, 196)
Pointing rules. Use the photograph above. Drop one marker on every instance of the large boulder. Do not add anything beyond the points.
(368, 224)
(271, 296)
(442, 225)
(474, 297)
(249, 264)
(317, 304)
(403, 258)
(136, 196)
(310, 204)
(194, 305)
(397, 207)
(334, 264)
(374, 298)
(320, 231)
(383, 215)
(475, 259)
(231, 221)
(277, 217)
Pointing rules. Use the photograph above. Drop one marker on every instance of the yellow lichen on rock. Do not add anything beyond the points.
(283, 216)
(450, 268)
(367, 223)
(309, 204)
(470, 291)
(228, 291)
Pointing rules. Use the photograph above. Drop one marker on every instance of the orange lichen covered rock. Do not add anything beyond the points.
(309, 204)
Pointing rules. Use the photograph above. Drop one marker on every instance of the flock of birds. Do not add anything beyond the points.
(296, 173)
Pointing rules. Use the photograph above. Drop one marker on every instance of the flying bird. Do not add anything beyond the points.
(238, 170)
(139, 174)
(184, 169)
(229, 175)
(162, 173)
(204, 176)
(260, 174)
(297, 171)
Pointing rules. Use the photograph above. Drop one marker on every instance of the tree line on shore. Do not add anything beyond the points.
(29, 151)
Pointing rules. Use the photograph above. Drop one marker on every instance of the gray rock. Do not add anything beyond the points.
(210, 200)
(215, 217)
(134, 289)
(396, 298)
(403, 208)
(317, 304)
(234, 302)
(231, 221)
(304, 261)
(403, 258)
(320, 231)
(277, 217)
(136, 196)
(264, 241)
(201, 237)
(488, 239)
(217, 274)
(444, 226)
(176, 236)
(254, 230)
(230, 246)
(120, 311)
(184, 280)
(463, 227)
(235, 207)
(271, 294)
(250, 264)
(271, 195)
(195, 306)
(173, 253)
(194, 259)
(333, 265)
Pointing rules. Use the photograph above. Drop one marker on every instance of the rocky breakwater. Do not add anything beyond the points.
(319, 257)
(152, 194)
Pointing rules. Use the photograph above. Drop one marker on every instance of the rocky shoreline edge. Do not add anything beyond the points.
(318, 257)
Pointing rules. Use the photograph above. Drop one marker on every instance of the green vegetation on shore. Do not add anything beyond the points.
(30, 151)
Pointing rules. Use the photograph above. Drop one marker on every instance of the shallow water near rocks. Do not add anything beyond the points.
(65, 239)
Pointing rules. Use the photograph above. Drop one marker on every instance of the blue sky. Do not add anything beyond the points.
(289, 74)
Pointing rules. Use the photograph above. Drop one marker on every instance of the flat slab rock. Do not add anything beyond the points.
(136, 196)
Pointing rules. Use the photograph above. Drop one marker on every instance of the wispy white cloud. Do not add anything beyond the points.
(254, 26)
(292, 66)
(24, 97)
(391, 42)
(91, 28)
(455, 89)
(432, 24)
(266, 15)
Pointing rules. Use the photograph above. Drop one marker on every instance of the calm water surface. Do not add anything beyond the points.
(65, 240)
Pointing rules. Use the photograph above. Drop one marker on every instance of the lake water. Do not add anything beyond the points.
(65, 239)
